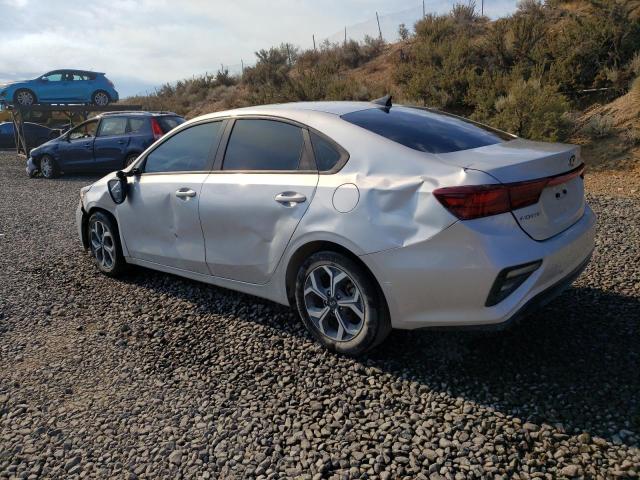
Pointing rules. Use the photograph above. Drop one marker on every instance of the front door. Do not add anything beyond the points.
(250, 208)
(75, 150)
(159, 219)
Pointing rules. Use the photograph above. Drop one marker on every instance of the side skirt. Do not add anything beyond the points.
(266, 291)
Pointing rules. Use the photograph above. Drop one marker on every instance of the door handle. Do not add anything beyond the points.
(185, 193)
(289, 199)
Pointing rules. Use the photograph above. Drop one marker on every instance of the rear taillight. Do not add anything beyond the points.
(155, 128)
(110, 83)
(475, 201)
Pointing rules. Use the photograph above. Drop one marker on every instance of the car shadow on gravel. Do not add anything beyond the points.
(574, 362)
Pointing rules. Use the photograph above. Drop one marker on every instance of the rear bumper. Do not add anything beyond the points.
(445, 281)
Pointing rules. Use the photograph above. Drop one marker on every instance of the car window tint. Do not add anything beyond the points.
(188, 150)
(112, 126)
(426, 130)
(169, 123)
(54, 77)
(136, 125)
(84, 131)
(326, 155)
(263, 145)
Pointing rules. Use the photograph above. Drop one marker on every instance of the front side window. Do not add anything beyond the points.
(187, 151)
(86, 130)
(112, 126)
(6, 128)
(257, 144)
(426, 130)
(53, 77)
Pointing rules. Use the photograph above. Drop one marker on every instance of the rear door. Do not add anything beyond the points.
(160, 220)
(251, 206)
(111, 143)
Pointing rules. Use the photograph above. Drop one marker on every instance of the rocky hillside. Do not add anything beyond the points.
(562, 70)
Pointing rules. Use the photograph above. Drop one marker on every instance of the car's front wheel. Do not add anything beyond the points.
(340, 304)
(48, 167)
(100, 98)
(104, 244)
(24, 98)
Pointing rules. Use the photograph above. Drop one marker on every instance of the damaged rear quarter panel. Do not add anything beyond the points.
(396, 207)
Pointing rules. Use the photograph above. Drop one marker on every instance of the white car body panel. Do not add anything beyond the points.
(433, 269)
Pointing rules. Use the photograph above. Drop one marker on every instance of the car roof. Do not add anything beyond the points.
(74, 70)
(136, 113)
(296, 108)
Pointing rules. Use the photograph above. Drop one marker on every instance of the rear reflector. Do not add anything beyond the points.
(508, 280)
(475, 201)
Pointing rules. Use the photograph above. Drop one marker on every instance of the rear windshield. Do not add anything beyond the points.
(169, 123)
(426, 130)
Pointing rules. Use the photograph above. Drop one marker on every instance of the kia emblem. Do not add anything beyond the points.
(572, 160)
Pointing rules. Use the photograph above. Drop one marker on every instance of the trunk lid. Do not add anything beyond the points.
(561, 202)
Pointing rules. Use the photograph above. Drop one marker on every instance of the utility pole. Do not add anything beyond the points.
(482, 8)
(314, 40)
(288, 54)
(379, 29)
(424, 12)
(345, 35)
(242, 66)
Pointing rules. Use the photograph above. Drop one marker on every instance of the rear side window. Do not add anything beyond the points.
(326, 155)
(263, 145)
(425, 130)
(137, 125)
(112, 126)
(169, 123)
(187, 151)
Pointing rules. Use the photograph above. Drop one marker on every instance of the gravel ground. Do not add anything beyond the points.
(156, 376)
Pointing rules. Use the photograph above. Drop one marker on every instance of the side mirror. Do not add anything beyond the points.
(118, 187)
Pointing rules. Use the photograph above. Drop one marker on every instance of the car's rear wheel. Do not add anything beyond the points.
(100, 98)
(48, 167)
(340, 304)
(24, 98)
(104, 243)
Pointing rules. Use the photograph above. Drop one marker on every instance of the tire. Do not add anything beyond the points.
(100, 98)
(351, 320)
(104, 244)
(24, 97)
(48, 167)
(132, 157)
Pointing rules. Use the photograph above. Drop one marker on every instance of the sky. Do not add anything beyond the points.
(142, 44)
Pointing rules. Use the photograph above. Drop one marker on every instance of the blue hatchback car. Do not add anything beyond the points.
(108, 142)
(61, 86)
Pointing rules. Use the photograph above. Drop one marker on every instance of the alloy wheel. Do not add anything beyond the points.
(334, 303)
(101, 99)
(25, 98)
(46, 167)
(102, 244)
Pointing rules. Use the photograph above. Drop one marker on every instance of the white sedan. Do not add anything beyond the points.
(363, 216)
